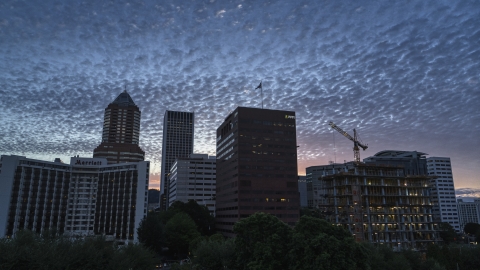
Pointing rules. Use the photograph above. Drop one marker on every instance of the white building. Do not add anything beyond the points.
(193, 178)
(85, 197)
(443, 191)
(469, 212)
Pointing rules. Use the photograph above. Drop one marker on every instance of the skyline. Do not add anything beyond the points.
(404, 74)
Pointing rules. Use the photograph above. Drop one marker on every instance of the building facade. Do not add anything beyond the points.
(316, 193)
(121, 132)
(443, 192)
(178, 132)
(86, 197)
(381, 205)
(469, 212)
(256, 167)
(302, 191)
(193, 178)
(413, 162)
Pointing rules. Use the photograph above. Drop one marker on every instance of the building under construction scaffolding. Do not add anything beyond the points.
(381, 205)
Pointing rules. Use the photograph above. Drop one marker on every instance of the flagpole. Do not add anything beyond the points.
(261, 90)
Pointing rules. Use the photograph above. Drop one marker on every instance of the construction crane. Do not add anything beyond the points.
(356, 143)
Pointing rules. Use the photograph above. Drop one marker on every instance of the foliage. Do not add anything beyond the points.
(151, 232)
(447, 233)
(316, 244)
(472, 228)
(215, 253)
(262, 242)
(200, 214)
(28, 250)
(180, 230)
(453, 256)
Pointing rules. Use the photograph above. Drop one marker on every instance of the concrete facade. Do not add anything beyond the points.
(443, 191)
(193, 178)
(381, 205)
(85, 197)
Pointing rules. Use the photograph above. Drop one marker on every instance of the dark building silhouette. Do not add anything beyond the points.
(121, 132)
(178, 130)
(256, 167)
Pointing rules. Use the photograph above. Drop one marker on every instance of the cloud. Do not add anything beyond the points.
(404, 74)
(467, 192)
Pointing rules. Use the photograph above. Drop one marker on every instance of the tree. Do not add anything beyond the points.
(180, 230)
(262, 242)
(447, 233)
(317, 244)
(215, 253)
(200, 214)
(151, 232)
(28, 250)
(471, 228)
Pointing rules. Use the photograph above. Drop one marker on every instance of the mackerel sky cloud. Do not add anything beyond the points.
(405, 74)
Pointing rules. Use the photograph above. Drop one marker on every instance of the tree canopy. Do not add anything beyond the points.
(180, 230)
(28, 250)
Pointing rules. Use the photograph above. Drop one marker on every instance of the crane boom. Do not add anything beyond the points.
(344, 133)
(356, 143)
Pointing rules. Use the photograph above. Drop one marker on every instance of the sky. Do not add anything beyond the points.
(405, 74)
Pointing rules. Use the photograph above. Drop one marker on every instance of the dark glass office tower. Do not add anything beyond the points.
(121, 132)
(177, 142)
(256, 167)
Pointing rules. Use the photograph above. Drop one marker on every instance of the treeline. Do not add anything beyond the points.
(27, 250)
(186, 232)
(265, 242)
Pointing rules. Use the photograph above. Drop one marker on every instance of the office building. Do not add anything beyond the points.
(178, 130)
(469, 212)
(193, 178)
(382, 205)
(86, 197)
(302, 191)
(256, 167)
(443, 192)
(121, 132)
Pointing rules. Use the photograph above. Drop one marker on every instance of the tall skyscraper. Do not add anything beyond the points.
(443, 193)
(121, 132)
(256, 167)
(178, 130)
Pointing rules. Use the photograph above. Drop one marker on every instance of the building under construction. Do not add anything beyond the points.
(381, 204)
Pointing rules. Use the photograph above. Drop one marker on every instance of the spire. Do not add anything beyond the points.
(124, 99)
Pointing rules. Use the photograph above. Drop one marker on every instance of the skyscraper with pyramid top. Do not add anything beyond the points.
(121, 132)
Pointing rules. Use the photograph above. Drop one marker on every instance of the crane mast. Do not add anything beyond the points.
(354, 139)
